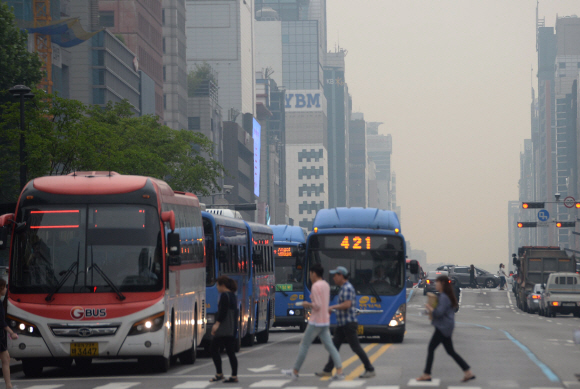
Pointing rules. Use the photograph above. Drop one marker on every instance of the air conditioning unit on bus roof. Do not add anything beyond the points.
(225, 212)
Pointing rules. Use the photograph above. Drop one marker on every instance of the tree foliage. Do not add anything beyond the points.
(18, 66)
(64, 135)
(199, 77)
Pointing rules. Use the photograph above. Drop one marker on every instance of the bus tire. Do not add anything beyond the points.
(263, 336)
(32, 368)
(188, 357)
(161, 364)
(248, 340)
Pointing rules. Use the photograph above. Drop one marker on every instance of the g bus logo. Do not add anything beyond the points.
(293, 297)
(80, 313)
(364, 299)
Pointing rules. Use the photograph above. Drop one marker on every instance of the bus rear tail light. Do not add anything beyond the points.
(399, 317)
(22, 327)
(150, 324)
(555, 303)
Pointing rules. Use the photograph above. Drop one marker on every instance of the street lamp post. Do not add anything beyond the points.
(21, 91)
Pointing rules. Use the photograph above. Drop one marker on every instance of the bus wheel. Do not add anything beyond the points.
(189, 356)
(32, 368)
(263, 336)
(248, 340)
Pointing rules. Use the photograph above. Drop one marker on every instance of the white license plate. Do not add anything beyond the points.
(568, 304)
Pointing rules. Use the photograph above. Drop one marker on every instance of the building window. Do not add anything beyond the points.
(98, 76)
(107, 18)
(163, 16)
(285, 38)
(98, 58)
(310, 154)
(98, 96)
(309, 172)
(562, 65)
(164, 76)
(164, 101)
(163, 45)
(193, 123)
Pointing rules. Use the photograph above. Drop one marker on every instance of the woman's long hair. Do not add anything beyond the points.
(448, 290)
(228, 283)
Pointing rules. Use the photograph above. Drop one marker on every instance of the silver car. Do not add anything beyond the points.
(484, 278)
(534, 299)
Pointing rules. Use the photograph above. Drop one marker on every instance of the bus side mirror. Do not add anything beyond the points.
(174, 249)
(414, 267)
(258, 258)
(223, 254)
(3, 238)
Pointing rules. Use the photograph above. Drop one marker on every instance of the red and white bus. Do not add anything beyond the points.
(104, 265)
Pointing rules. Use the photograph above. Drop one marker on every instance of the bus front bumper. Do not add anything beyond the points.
(289, 321)
(376, 330)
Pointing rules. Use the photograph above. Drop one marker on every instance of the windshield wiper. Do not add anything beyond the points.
(372, 288)
(62, 281)
(98, 269)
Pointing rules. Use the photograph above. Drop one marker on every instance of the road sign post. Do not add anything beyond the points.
(569, 202)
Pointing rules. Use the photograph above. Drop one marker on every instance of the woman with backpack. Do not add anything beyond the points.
(444, 323)
(224, 329)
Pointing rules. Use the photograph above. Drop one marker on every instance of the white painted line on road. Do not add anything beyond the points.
(559, 324)
(497, 317)
(384, 387)
(302, 387)
(546, 387)
(433, 382)
(346, 384)
(510, 299)
(118, 385)
(487, 305)
(464, 387)
(192, 385)
(269, 384)
(549, 321)
(44, 386)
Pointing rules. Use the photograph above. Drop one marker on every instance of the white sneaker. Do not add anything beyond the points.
(368, 374)
(291, 374)
(338, 377)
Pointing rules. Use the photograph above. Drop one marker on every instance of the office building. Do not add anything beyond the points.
(514, 216)
(139, 24)
(221, 34)
(357, 162)
(174, 64)
(238, 161)
(336, 93)
(373, 188)
(379, 149)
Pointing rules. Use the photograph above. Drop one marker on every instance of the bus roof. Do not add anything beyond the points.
(224, 220)
(89, 183)
(285, 233)
(368, 218)
(259, 228)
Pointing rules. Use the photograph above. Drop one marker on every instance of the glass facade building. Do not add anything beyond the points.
(301, 57)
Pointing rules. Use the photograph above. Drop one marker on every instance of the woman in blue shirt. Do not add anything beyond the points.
(444, 322)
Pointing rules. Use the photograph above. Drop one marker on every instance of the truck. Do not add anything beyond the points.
(561, 294)
(535, 264)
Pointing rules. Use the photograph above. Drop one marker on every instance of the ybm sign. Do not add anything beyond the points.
(304, 100)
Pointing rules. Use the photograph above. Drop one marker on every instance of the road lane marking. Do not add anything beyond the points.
(360, 369)
(269, 384)
(302, 387)
(545, 369)
(187, 370)
(118, 385)
(464, 387)
(433, 382)
(346, 384)
(193, 385)
(44, 386)
(350, 360)
(384, 387)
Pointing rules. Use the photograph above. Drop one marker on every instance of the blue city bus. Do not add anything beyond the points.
(368, 242)
(227, 253)
(289, 244)
(262, 293)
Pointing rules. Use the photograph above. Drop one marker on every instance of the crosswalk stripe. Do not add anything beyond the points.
(301, 387)
(118, 385)
(350, 360)
(192, 385)
(464, 387)
(433, 382)
(360, 369)
(269, 384)
(383, 387)
(346, 384)
(44, 386)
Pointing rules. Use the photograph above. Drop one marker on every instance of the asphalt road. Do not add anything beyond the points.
(505, 347)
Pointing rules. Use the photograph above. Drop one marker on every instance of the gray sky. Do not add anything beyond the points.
(451, 81)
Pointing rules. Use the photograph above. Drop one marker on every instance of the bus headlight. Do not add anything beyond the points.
(399, 317)
(150, 324)
(22, 327)
(210, 318)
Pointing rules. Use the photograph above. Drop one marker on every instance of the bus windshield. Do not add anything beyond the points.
(288, 277)
(124, 241)
(376, 268)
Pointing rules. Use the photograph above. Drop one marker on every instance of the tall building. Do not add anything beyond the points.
(336, 93)
(139, 24)
(379, 149)
(357, 162)
(174, 64)
(239, 162)
(221, 34)
(513, 231)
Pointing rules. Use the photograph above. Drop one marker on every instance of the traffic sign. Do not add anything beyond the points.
(569, 202)
(542, 224)
(543, 215)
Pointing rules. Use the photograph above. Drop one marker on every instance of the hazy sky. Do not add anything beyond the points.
(450, 79)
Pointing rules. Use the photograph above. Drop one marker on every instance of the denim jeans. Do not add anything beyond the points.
(309, 335)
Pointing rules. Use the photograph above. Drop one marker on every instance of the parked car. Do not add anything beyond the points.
(561, 294)
(430, 279)
(445, 268)
(534, 299)
(484, 278)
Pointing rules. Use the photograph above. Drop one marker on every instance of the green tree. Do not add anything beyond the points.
(200, 77)
(65, 135)
(18, 65)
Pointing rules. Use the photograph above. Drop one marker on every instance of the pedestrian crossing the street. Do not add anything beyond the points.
(288, 384)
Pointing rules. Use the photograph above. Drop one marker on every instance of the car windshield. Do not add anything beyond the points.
(375, 271)
(124, 241)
